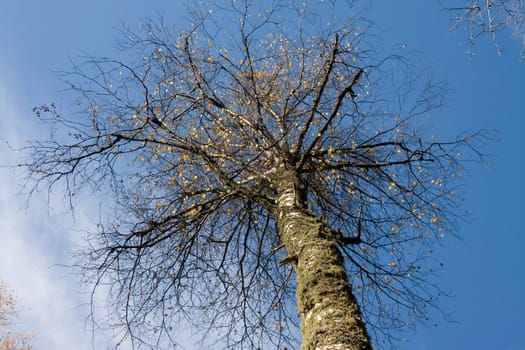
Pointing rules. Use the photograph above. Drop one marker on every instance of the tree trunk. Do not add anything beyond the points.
(329, 313)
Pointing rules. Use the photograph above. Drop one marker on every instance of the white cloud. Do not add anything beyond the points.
(34, 241)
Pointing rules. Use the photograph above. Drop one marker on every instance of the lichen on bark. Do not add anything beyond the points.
(329, 313)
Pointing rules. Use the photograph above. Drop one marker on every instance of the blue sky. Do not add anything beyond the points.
(484, 270)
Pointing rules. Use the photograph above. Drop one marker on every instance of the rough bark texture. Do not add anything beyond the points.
(329, 313)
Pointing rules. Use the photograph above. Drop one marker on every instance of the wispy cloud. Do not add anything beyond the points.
(37, 237)
(35, 241)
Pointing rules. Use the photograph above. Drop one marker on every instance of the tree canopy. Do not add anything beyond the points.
(195, 132)
(482, 18)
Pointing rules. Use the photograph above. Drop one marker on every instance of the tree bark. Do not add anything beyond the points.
(329, 313)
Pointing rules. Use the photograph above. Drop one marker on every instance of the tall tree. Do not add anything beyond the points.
(260, 150)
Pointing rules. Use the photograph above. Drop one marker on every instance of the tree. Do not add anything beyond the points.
(488, 17)
(8, 339)
(259, 151)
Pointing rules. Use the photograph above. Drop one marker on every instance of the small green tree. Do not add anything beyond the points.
(260, 151)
